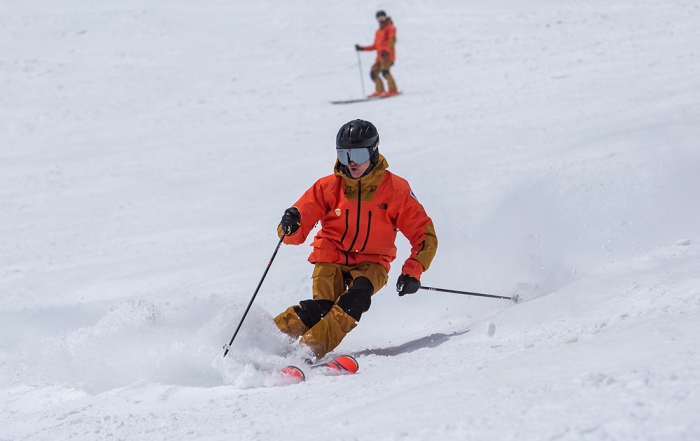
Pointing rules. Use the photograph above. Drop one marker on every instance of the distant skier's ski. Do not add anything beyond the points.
(340, 365)
(355, 100)
(361, 100)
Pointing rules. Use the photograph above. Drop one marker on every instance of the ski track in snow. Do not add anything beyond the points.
(147, 152)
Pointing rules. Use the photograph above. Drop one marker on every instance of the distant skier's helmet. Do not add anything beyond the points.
(381, 13)
(357, 141)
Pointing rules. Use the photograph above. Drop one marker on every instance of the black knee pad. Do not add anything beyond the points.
(385, 73)
(372, 75)
(311, 312)
(358, 298)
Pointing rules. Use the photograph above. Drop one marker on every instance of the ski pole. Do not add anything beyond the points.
(362, 79)
(514, 298)
(228, 346)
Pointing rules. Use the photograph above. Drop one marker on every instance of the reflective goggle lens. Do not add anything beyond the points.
(358, 156)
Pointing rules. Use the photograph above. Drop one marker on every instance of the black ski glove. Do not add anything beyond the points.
(407, 285)
(385, 54)
(358, 47)
(290, 221)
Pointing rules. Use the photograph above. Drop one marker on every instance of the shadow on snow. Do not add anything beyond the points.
(430, 341)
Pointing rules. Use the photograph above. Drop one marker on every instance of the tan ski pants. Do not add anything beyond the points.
(341, 294)
(382, 66)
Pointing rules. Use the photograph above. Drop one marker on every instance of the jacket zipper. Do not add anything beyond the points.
(347, 214)
(369, 224)
(359, 211)
(342, 239)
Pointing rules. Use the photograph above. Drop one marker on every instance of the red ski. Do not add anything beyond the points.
(292, 375)
(340, 365)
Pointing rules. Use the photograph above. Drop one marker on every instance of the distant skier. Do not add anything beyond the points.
(361, 206)
(384, 44)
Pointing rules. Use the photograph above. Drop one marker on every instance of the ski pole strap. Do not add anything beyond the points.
(452, 291)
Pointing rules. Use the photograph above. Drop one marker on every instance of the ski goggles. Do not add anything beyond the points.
(358, 156)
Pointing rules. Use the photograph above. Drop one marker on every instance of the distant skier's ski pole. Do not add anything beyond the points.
(228, 346)
(514, 298)
(362, 78)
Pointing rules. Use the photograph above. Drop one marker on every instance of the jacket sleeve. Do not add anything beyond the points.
(312, 208)
(418, 228)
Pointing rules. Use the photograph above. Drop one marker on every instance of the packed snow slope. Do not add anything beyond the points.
(149, 149)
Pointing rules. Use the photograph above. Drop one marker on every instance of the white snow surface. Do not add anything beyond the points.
(148, 150)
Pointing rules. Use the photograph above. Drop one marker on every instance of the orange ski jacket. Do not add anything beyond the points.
(384, 40)
(359, 220)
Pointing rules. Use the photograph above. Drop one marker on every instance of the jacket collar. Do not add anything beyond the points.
(370, 181)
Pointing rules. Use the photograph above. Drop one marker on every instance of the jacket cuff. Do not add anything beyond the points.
(413, 268)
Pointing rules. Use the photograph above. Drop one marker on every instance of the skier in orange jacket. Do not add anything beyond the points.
(384, 44)
(361, 206)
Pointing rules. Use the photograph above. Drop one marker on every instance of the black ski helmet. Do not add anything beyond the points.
(359, 134)
(381, 13)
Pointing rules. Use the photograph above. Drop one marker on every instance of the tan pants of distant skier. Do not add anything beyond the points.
(328, 315)
(382, 66)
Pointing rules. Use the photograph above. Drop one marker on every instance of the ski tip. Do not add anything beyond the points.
(348, 363)
(293, 374)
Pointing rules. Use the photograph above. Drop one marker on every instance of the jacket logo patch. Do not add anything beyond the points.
(337, 211)
(382, 206)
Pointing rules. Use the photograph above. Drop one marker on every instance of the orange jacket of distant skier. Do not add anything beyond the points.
(360, 218)
(384, 40)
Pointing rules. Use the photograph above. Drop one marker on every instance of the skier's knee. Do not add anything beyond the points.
(311, 312)
(385, 73)
(373, 75)
(358, 298)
